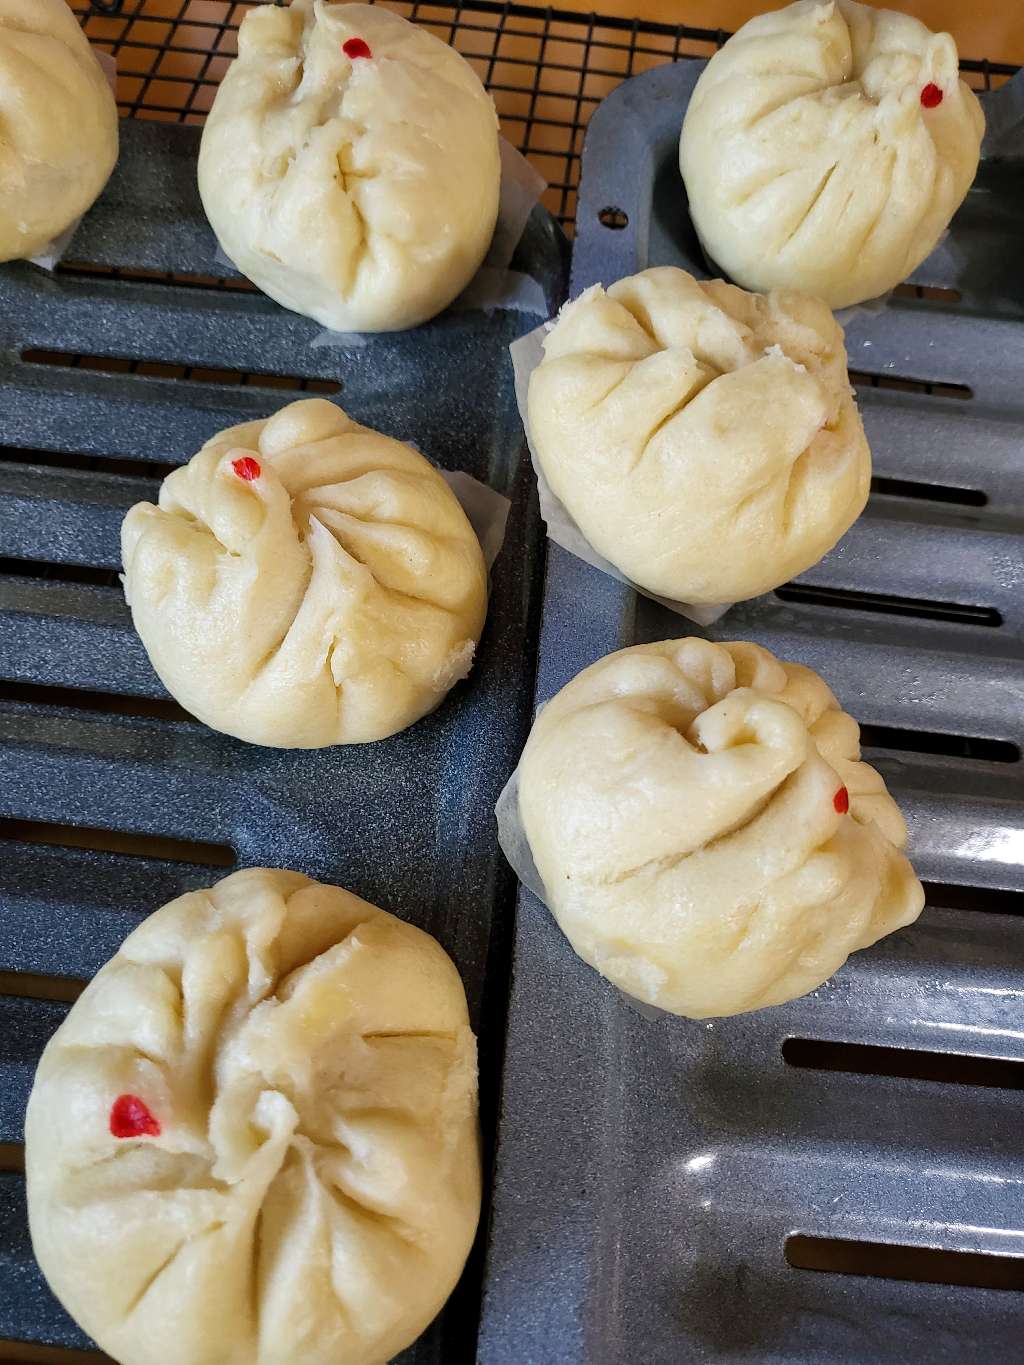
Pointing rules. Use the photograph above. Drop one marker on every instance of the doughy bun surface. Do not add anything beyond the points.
(58, 125)
(306, 581)
(705, 440)
(826, 148)
(705, 831)
(253, 1141)
(349, 165)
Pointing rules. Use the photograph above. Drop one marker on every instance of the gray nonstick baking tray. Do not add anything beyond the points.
(838, 1181)
(112, 800)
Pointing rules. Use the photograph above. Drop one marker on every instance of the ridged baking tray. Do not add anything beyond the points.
(106, 380)
(753, 1189)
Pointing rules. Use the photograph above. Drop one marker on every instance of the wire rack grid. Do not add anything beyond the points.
(547, 69)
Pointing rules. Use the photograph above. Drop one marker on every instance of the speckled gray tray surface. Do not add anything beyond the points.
(406, 822)
(650, 1173)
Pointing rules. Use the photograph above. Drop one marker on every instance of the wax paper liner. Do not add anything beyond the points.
(49, 256)
(486, 510)
(516, 848)
(527, 353)
(494, 285)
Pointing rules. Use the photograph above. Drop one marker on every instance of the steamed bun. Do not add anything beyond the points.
(58, 125)
(253, 1141)
(826, 148)
(705, 440)
(349, 165)
(705, 833)
(305, 581)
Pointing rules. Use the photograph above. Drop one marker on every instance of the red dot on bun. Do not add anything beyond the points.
(246, 468)
(841, 801)
(356, 47)
(131, 1117)
(931, 96)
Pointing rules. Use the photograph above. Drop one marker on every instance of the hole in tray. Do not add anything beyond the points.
(926, 1265)
(613, 218)
(31, 1353)
(110, 703)
(931, 742)
(12, 1157)
(175, 278)
(849, 600)
(60, 573)
(30, 986)
(993, 900)
(863, 1059)
(932, 292)
(99, 464)
(195, 374)
(117, 841)
(864, 379)
(932, 492)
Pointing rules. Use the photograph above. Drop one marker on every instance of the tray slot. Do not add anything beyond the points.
(40, 571)
(40, 986)
(841, 599)
(929, 742)
(138, 413)
(28, 1353)
(927, 293)
(891, 1261)
(114, 324)
(989, 899)
(106, 703)
(862, 379)
(143, 471)
(884, 487)
(118, 841)
(867, 1059)
(84, 270)
(158, 369)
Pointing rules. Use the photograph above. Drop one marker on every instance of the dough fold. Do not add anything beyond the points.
(685, 804)
(826, 148)
(305, 581)
(312, 1188)
(58, 125)
(705, 440)
(361, 190)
